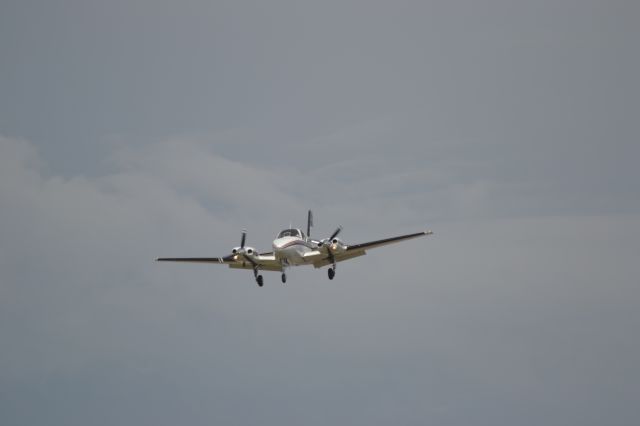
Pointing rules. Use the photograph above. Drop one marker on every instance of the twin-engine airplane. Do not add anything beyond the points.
(293, 248)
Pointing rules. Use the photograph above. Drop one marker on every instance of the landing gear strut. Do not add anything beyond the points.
(332, 271)
(258, 277)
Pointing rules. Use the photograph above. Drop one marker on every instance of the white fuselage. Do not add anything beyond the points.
(291, 250)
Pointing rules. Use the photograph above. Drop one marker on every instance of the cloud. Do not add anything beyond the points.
(75, 248)
(510, 131)
(487, 312)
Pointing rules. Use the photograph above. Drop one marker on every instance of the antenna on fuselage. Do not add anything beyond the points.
(309, 223)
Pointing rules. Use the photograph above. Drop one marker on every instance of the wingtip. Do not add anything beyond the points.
(429, 232)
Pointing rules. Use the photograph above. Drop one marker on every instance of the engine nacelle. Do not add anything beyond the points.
(249, 251)
(337, 246)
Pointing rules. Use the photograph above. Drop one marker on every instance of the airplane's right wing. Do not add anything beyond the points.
(265, 261)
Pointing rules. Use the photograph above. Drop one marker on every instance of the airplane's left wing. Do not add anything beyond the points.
(386, 241)
(321, 257)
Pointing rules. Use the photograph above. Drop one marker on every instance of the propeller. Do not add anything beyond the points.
(327, 241)
(246, 253)
(331, 250)
(244, 238)
(335, 233)
(309, 223)
(242, 250)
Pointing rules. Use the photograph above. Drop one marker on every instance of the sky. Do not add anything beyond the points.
(131, 130)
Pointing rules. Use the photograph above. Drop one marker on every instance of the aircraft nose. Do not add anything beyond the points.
(279, 243)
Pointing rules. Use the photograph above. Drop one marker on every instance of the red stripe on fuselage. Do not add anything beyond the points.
(293, 243)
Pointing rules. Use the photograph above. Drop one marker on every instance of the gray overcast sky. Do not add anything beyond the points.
(136, 129)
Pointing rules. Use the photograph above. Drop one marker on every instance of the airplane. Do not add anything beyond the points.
(292, 247)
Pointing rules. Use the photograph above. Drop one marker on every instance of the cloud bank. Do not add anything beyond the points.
(504, 316)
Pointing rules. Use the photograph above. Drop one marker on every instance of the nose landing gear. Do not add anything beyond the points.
(283, 268)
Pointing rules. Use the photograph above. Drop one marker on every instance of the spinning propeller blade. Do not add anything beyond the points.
(335, 233)
(309, 223)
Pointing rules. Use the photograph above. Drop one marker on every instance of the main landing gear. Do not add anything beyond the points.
(259, 279)
(332, 273)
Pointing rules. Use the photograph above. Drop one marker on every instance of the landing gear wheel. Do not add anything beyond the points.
(259, 280)
(284, 278)
(332, 273)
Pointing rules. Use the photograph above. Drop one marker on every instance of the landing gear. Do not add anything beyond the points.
(332, 271)
(258, 277)
(283, 268)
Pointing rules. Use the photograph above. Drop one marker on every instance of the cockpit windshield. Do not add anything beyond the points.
(290, 233)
